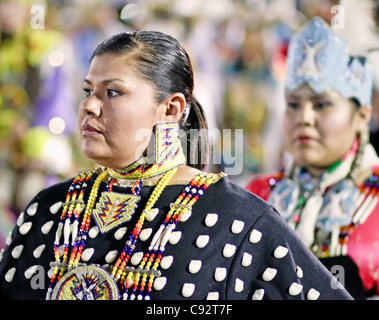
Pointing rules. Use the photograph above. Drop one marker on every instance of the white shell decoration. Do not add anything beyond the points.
(38, 251)
(20, 219)
(188, 290)
(258, 294)
(31, 211)
(220, 274)
(145, 234)
(17, 251)
(87, 254)
(93, 232)
(255, 236)
(10, 274)
(238, 286)
(119, 234)
(136, 258)
(50, 272)
(237, 226)
(47, 227)
(186, 216)
(175, 237)
(280, 252)
(213, 296)
(24, 229)
(295, 289)
(111, 256)
(159, 283)
(229, 250)
(30, 271)
(152, 214)
(269, 274)
(247, 258)
(8, 240)
(313, 294)
(299, 272)
(55, 207)
(194, 266)
(211, 219)
(202, 241)
(166, 262)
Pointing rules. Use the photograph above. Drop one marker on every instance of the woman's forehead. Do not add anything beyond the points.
(113, 62)
(306, 92)
(112, 67)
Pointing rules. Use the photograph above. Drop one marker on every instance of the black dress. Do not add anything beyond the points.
(234, 246)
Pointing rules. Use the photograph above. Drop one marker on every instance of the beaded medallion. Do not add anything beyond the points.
(113, 209)
(86, 283)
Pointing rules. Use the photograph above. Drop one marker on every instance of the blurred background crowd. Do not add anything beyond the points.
(238, 49)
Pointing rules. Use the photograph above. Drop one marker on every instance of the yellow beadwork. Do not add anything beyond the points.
(88, 211)
(117, 270)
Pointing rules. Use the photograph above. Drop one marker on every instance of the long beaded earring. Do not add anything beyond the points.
(167, 142)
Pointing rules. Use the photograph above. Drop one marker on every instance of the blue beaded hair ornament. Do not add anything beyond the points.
(319, 57)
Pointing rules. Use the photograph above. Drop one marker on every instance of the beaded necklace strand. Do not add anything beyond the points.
(79, 182)
(119, 266)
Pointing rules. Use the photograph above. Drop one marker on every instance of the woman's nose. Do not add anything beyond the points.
(306, 115)
(92, 105)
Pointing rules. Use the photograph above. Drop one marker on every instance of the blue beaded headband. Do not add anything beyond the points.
(319, 57)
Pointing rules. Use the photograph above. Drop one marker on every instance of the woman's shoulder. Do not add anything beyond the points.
(53, 192)
(50, 197)
(228, 196)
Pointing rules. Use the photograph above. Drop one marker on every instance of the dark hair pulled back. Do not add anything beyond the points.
(162, 60)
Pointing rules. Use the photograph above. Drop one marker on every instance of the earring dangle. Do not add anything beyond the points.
(167, 145)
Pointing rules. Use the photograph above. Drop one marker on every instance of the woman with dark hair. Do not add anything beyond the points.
(148, 224)
(328, 191)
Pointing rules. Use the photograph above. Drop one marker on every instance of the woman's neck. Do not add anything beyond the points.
(182, 176)
(315, 172)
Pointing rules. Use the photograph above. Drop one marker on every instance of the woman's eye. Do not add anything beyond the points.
(112, 93)
(87, 91)
(293, 105)
(321, 104)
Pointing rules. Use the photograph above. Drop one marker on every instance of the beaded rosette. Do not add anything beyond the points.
(86, 283)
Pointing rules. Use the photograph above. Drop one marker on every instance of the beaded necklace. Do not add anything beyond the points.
(72, 280)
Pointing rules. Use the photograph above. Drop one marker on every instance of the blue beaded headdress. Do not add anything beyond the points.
(319, 57)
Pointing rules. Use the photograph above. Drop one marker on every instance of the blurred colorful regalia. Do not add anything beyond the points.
(37, 108)
(343, 200)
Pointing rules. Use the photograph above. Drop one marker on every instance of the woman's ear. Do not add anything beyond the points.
(173, 108)
(364, 113)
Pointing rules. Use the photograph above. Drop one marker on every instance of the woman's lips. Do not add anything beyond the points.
(304, 139)
(88, 130)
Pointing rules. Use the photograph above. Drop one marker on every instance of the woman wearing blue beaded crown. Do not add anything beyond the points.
(148, 224)
(328, 192)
